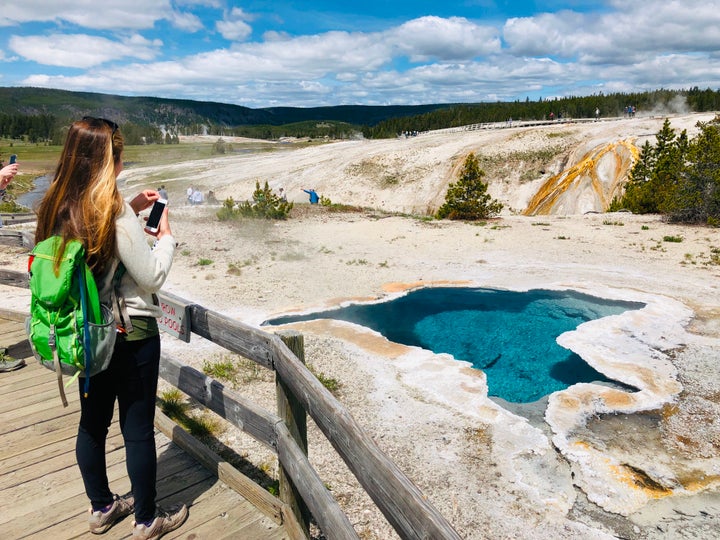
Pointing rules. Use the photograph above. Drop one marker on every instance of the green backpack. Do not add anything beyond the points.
(69, 330)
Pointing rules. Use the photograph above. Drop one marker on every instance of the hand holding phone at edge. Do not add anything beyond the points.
(144, 200)
(7, 173)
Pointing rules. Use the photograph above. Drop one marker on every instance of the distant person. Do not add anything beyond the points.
(282, 195)
(7, 174)
(597, 113)
(163, 193)
(314, 197)
(196, 197)
(189, 192)
(552, 116)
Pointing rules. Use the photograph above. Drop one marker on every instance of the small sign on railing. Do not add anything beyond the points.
(175, 319)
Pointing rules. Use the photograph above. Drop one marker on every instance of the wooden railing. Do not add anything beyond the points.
(299, 391)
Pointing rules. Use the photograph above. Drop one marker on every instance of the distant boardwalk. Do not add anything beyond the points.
(41, 492)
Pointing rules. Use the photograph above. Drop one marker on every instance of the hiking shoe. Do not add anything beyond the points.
(164, 522)
(11, 364)
(100, 521)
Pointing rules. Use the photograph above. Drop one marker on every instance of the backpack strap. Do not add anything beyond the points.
(86, 327)
(119, 306)
(56, 363)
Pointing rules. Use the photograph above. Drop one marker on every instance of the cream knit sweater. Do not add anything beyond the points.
(146, 267)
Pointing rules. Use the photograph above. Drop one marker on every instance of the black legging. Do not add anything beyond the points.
(131, 378)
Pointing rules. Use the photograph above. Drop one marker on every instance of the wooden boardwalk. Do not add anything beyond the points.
(41, 492)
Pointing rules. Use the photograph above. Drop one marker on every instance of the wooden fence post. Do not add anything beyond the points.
(295, 418)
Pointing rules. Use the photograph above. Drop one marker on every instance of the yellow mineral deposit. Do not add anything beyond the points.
(588, 185)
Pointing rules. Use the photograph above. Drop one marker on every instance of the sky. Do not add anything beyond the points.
(375, 52)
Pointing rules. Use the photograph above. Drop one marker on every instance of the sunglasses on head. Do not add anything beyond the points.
(112, 125)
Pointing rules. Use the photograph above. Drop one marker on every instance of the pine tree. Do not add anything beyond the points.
(697, 196)
(467, 199)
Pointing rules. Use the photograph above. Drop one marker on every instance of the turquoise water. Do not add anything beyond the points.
(509, 335)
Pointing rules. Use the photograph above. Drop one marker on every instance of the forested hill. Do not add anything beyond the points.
(66, 106)
(43, 114)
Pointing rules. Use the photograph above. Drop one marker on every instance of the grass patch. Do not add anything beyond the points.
(714, 256)
(675, 239)
(204, 262)
(223, 370)
(234, 269)
(332, 384)
(236, 370)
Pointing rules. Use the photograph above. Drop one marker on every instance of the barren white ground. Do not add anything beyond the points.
(589, 462)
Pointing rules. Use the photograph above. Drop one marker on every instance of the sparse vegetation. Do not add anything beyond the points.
(676, 239)
(332, 384)
(265, 204)
(204, 262)
(236, 370)
(234, 269)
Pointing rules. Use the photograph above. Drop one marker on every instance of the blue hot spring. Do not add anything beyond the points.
(509, 335)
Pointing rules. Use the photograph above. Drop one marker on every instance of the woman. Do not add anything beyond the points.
(83, 202)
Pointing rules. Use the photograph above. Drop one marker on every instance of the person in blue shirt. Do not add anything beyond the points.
(314, 197)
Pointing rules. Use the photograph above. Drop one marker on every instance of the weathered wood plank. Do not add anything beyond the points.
(9, 315)
(292, 413)
(10, 218)
(28, 381)
(61, 455)
(68, 518)
(324, 507)
(242, 412)
(398, 498)
(222, 509)
(14, 279)
(259, 497)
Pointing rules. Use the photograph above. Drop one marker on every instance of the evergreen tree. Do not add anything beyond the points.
(265, 204)
(697, 195)
(654, 179)
(467, 199)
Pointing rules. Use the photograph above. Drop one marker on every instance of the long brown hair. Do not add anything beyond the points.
(83, 200)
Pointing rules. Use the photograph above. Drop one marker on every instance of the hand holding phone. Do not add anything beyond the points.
(13, 159)
(156, 213)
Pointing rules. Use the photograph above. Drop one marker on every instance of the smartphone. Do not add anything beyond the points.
(13, 159)
(153, 221)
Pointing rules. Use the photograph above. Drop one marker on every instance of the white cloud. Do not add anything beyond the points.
(114, 14)
(185, 21)
(80, 50)
(455, 38)
(235, 27)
